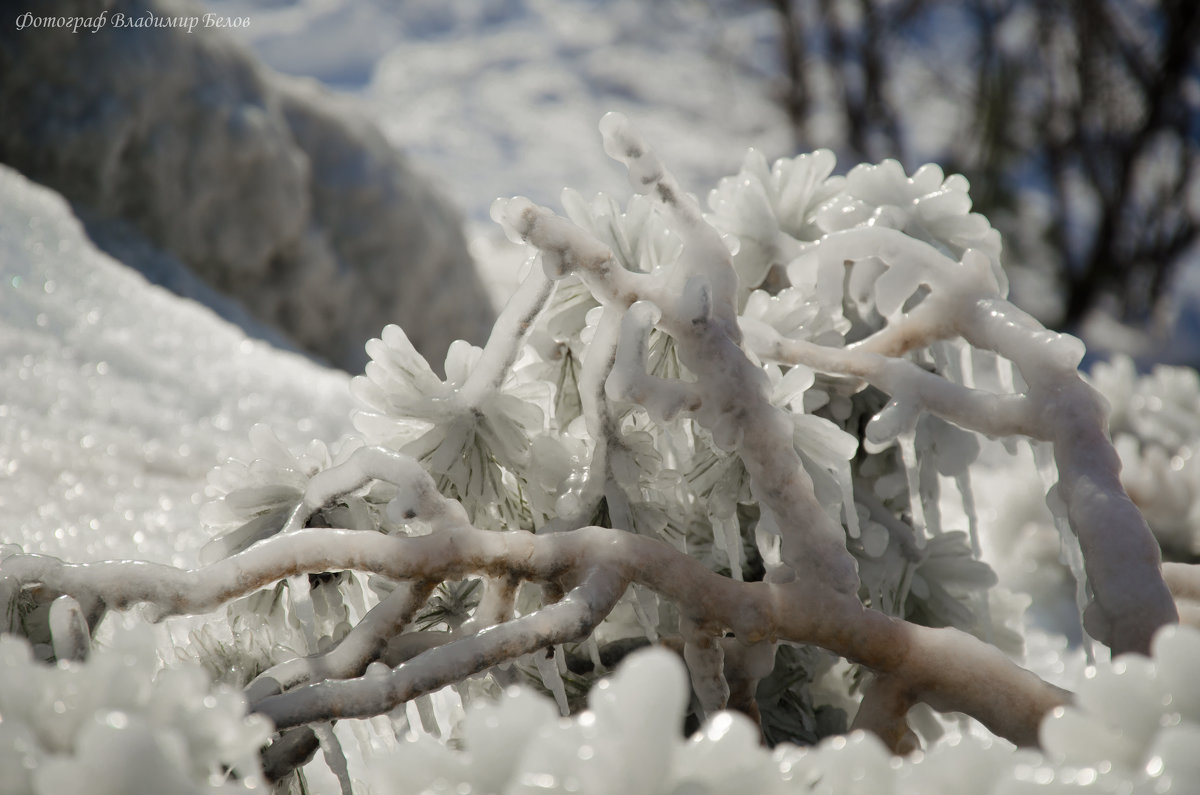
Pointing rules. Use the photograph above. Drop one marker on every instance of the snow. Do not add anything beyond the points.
(118, 397)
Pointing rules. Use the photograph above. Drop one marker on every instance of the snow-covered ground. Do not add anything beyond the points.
(117, 397)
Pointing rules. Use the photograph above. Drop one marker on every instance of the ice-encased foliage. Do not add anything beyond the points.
(117, 723)
(745, 435)
(1135, 729)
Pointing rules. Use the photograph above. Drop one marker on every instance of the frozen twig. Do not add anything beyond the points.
(350, 657)
(570, 619)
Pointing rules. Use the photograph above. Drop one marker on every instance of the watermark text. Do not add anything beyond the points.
(118, 19)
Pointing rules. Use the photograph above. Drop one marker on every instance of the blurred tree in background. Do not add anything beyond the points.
(1076, 121)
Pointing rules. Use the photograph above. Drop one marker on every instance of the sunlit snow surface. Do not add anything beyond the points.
(117, 397)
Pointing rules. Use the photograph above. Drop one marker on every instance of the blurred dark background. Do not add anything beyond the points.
(1077, 123)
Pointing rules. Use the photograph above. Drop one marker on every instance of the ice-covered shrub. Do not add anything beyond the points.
(746, 436)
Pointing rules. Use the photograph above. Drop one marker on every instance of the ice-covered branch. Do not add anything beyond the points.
(946, 668)
(697, 302)
(509, 333)
(570, 619)
(365, 642)
(912, 388)
(1121, 557)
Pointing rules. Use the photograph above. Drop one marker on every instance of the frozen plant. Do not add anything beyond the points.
(736, 435)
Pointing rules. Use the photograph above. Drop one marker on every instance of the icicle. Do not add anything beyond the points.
(1007, 373)
(706, 667)
(401, 726)
(967, 365)
(425, 712)
(331, 749)
(930, 494)
(912, 472)
(593, 650)
(849, 509)
(645, 605)
(1071, 555)
(1069, 552)
(547, 667)
(303, 610)
(560, 659)
(68, 630)
(963, 482)
(766, 538)
(10, 618)
(727, 537)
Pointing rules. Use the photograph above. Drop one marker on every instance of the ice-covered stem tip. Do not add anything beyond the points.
(705, 260)
(1121, 557)
(696, 305)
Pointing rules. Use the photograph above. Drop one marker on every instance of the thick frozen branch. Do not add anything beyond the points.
(705, 259)
(946, 668)
(731, 394)
(1121, 557)
(883, 712)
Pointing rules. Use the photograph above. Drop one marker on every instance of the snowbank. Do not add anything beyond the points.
(117, 397)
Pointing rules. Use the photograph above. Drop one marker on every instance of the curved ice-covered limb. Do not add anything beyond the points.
(572, 618)
(989, 413)
(509, 333)
(353, 653)
(705, 259)
(1121, 557)
(417, 493)
(629, 380)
